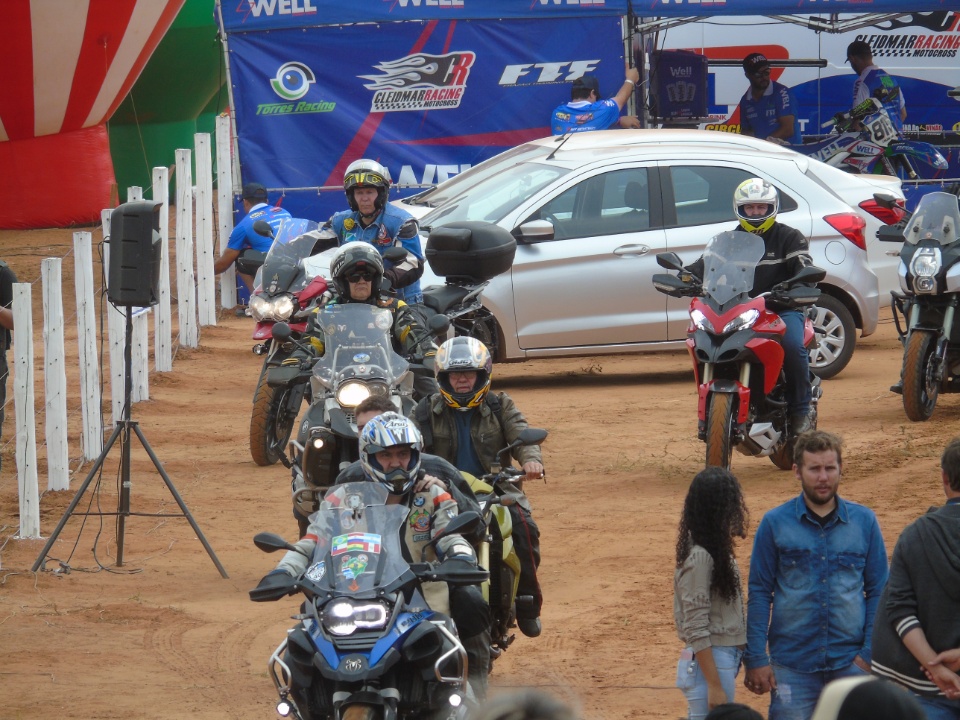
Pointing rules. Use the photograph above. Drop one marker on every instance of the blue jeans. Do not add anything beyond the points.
(797, 692)
(796, 363)
(939, 708)
(693, 684)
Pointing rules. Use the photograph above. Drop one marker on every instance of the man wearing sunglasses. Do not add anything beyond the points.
(768, 109)
(373, 220)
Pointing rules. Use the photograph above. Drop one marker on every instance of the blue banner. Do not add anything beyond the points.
(253, 15)
(426, 99)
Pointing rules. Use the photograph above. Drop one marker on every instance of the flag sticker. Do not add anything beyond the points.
(356, 542)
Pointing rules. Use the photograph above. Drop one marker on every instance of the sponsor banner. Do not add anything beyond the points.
(428, 100)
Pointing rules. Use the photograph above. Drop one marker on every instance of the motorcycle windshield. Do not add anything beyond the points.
(358, 540)
(729, 262)
(283, 269)
(357, 345)
(937, 218)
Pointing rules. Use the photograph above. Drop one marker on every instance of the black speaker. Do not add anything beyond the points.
(134, 273)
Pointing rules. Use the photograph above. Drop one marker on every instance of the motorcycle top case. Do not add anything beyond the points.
(470, 249)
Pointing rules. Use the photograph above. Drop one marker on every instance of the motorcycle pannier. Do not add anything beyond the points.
(470, 249)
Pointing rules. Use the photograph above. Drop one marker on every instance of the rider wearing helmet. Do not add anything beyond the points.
(756, 204)
(372, 219)
(390, 454)
(467, 425)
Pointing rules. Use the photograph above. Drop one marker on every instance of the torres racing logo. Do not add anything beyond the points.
(292, 82)
(420, 82)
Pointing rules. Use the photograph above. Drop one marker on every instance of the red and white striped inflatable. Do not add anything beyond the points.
(66, 66)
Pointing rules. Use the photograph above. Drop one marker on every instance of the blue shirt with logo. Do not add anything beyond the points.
(873, 79)
(581, 116)
(823, 583)
(244, 236)
(761, 118)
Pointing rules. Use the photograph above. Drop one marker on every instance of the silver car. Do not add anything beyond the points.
(590, 212)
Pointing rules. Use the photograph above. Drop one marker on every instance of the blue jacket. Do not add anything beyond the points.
(244, 236)
(393, 227)
(823, 584)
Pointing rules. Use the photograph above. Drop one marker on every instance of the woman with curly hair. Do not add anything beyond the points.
(708, 599)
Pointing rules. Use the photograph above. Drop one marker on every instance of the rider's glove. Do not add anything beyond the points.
(276, 579)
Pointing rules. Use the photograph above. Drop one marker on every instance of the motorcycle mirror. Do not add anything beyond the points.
(466, 523)
(809, 274)
(890, 233)
(271, 542)
(282, 332)
(395, 254)
(885, 200)
(262, 227)
(670, 261)
(438, 325)
(532, 436)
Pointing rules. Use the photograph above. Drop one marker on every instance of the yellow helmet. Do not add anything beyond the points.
(463, 354)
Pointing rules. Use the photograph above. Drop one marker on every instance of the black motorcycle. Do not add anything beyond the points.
(930, 283)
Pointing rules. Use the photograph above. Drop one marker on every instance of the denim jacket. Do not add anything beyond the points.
(823, 583)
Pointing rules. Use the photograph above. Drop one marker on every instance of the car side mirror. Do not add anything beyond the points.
(536, 231)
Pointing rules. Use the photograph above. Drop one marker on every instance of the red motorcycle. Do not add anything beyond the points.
(736, 343)
(286, 287)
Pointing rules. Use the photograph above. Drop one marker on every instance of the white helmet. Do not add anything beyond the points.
(386, 431)
(754, 192)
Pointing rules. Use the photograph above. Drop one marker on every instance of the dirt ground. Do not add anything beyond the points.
(165, 636)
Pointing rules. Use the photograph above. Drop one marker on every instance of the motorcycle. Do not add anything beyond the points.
(735, 342)
(869, 142)
(287, 284)
(930, 283)
(358, 361)
(367, 646)
(496, 492)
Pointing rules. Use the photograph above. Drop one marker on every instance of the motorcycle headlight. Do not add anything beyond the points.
(283, 308)
(279, 308)
(744, 320)
(259, 307)
(924, 266)
(344, 617)
(700, 320)
(353, 392)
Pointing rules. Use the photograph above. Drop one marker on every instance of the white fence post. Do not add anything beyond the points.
(25, 412)
(162, 352)
(92, 435)
(206, 285)
(139, 354)
(228, 279)
(186, 289)
(54, 377)
(116, 334)
(134, 193)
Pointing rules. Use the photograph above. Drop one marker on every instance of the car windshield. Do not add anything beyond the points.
(937, 218)
(729, 262)
(489, 193)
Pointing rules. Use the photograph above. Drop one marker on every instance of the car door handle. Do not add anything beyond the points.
(631, 250)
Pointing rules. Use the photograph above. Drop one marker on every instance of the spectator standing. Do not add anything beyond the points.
(866, 698)
(919, 613)
(871, 79)
(586, 111)
(768, 110)
(708, 597)
(7, 279)
(816, 574)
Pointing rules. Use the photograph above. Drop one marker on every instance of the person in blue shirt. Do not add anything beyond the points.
(372, 219)
(817, 571)
(244, 237)
(768, 110)
(871, 80)
(586, 111)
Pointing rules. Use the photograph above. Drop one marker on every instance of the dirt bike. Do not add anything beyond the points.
(367, 646)
(286, 285)
(467, 255)
(930, 284)
(496, 492)
(869, 142)
(735, 342)
(358, 361)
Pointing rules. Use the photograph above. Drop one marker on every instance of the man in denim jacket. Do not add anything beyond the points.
(816, 574)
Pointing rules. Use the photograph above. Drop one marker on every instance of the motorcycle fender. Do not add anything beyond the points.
(723, 386)
(770, 354)
(693, 358)
(923, 151)
(340, 424)
(263, 331)
(312, 418)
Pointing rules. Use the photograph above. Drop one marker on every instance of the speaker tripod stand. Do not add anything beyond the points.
(123, 430)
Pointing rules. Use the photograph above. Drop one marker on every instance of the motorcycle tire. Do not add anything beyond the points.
(483, 327)
(720, 420)
(838, 339)
(270, 429)
(919, 366)
(359, 711)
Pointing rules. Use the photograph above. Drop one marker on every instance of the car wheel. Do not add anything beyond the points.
(837, 335)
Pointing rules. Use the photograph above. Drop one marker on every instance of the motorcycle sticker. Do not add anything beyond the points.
(420, 520)
(316, 572)
(383, 320)
(361, 358)
(352, 567)
(419, 500)
(353, 664)
(356, 542)
(346, 520)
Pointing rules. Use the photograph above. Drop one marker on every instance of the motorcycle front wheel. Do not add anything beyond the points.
(270, 423)
(720, 419)
(359, 711)
(920, 388)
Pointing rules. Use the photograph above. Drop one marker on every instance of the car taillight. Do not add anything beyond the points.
(888, 216)
(851, 226)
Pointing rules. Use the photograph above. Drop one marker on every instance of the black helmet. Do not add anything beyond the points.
(354, 257)
(366, 173)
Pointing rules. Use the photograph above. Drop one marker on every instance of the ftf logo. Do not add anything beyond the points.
(293, 80)
(420, 82)
(545, 73)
